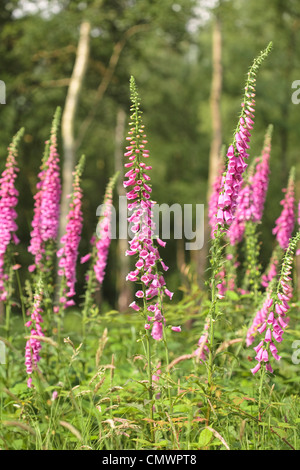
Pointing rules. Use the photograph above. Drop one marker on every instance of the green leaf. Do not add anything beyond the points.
(281, 432)
(205, 438)
(232, 295)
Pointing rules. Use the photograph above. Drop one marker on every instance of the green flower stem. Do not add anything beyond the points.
(168, 370)
(149, 371)
(216, 263)
(21, 298)
(261, 384)
(88, 300)
(252, 265)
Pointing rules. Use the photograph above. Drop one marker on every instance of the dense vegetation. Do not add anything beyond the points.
(175, 368)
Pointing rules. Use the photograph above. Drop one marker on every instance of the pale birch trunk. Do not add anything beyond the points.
(68, 118)
(216, 142)
(123, 268)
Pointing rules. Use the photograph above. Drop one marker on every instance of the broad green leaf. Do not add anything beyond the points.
(205, 438)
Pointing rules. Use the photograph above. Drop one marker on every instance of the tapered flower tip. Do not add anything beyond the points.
(176, 328)
(256, 368)
(134, 306)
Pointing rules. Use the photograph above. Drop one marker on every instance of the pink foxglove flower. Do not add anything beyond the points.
(8, 201)
(252, 196)
(237, 153)
(104, 232)
(285, 223)
(298, 251)
(149, 267)
(201, 353)
(47, 199)
(157, 373)
(272, 269)
(100, 243)
(213, 201)
(274, 320)
(68, 254)
(259, 320)
(260, 180)
(33, 345)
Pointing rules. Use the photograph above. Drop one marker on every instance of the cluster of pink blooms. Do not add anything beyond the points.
(273, 325)
(260, 182)
(68, 254)
(252, 196)
(47, 200)
(236, 154)
(272, 272)
(201, 352)
(213, 201)
(104, 234)
(259, 319)
(33, 345)
(103, 243)
(242, 214)
(142, 226)
(157, 372)
(298, 251)
(285, 223)
(8, 201)
(36, 243)
(100, 248)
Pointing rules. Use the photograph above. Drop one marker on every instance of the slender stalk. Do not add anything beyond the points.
(262, 376)
(168, 368)
(7, 327)
(149, 373)
(261, 384)
(21, 298)
(150, 386)
(87, 301)
(216, 262)
(211, 335)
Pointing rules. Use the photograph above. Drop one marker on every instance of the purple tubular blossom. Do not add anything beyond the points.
(51, 187)
(273, 316)
(213, 202)
(36, 243)
(104, 232)
(285, 223)
(252, 196)
(260, 181)
(237, 228)
(47, 199)
(8, 201)
(102, 245)
(258, 324)
(68, 254)
(143, 244)
(272, 272)
(202, 351)
(298, 251)
(233, 178)
(33, 345)
(237, 153)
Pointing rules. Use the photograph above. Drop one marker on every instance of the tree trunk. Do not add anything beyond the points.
(123, 287)
(216, 142)
(68, 118)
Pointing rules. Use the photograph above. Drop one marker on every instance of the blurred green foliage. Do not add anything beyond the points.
(170, 57)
